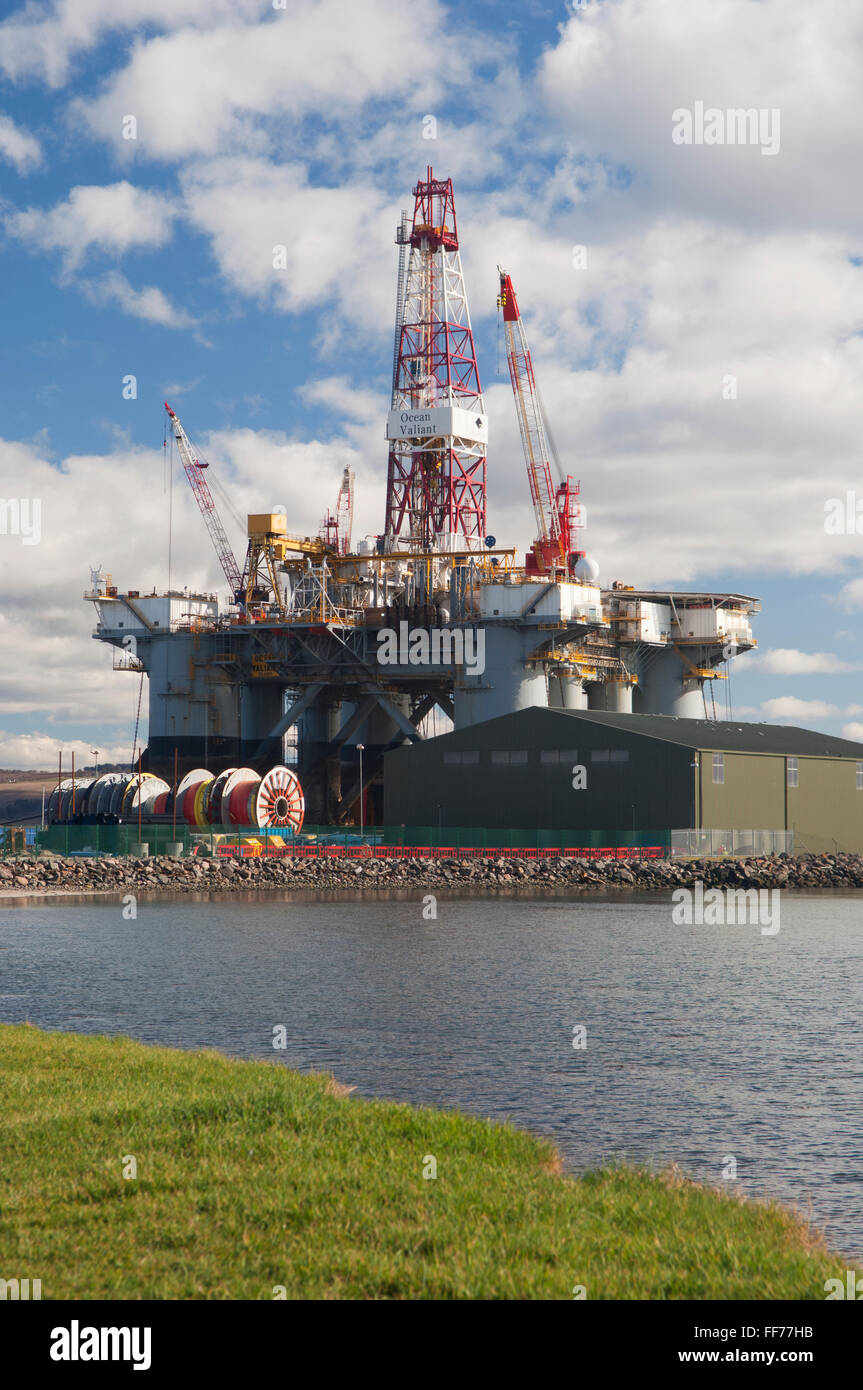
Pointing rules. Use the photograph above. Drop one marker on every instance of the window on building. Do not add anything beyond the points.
(599, 755)
(793, 774)
(558, 755)
(618, 755)
(451, 759)
(470, 757)
(860, 777)
(719, 768)
(508, 756)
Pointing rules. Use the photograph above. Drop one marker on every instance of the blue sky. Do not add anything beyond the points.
(308, 127)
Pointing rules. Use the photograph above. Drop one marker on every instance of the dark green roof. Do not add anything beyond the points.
(722, 735)
(727, 735)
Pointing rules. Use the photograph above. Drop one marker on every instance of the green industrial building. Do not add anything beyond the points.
(588, 777)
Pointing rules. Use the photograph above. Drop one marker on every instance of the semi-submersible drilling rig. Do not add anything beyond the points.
(297, 647)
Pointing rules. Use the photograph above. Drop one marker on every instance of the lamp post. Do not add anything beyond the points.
(360, 748)
(95, 753)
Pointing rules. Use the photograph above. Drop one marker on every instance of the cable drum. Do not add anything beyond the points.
(101, 793)
(279, 801)
(237, 797)
(199, 806)
(52, 807)
(214, 801)
(187, 792)
(150, 790)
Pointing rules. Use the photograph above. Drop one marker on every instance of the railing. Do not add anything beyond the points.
(712, 844)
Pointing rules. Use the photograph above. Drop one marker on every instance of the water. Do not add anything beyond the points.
(703, 1043)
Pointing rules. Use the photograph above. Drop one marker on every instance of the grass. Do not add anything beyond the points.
(251, 1176)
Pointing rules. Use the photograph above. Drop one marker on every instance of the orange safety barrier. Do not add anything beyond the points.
(588, 852)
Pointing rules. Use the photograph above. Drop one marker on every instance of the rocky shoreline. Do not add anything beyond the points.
(49, 874)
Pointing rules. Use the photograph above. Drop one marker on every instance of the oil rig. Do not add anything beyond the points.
(352, 645)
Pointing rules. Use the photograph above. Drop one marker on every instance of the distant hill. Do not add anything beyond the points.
(21, 788)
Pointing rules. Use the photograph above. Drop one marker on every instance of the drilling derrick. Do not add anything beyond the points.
(437, 429)
(337, 527)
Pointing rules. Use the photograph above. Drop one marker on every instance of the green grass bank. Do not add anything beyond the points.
(251, 1176)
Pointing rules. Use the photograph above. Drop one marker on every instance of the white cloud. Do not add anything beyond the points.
(851, 594)
(620, 70)
(336, 240)
(113, 218)
(788, 661)
(789, 707)
(853, 731)
(40, 752)
(632, 355)
(41, 42)
(240, 87)
(148, 303)
(18, 147)
(267, 468)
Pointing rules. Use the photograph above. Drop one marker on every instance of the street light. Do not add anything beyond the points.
(360, 747)
(95, 753)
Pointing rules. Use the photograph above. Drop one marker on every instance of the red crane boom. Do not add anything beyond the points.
(558, 514)
(194, 472)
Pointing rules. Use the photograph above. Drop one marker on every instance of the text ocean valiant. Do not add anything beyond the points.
(435, 646)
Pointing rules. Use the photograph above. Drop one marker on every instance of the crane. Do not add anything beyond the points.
(194, 468)
(337, 526)
(558, 513)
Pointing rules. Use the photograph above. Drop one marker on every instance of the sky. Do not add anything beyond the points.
(694, 307)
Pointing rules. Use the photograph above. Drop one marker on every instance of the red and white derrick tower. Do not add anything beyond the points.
(437, 428)
(337, 527)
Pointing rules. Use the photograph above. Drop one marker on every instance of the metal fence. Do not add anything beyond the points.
(397, 842)
(712, 844)
(324, 840)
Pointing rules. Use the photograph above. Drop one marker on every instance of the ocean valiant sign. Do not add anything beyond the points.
(437, 422)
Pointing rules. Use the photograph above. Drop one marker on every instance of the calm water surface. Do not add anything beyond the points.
(702, 1042)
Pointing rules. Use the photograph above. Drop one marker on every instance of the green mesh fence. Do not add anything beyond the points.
(125, 839)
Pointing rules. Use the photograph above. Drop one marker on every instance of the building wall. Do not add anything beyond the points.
(752, 796)
(435, 783)
(461, 779)
(825, 809)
